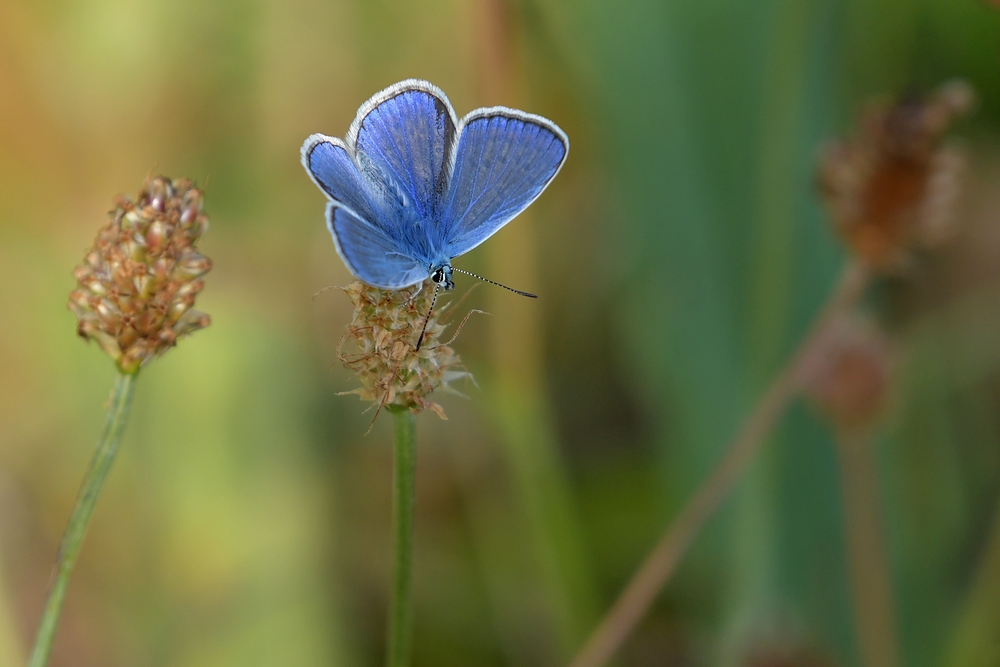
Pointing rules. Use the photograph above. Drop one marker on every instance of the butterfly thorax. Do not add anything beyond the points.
(421, 238)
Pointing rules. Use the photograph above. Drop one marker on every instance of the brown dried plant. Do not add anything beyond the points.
(384, 334)
(851, 383)
(892, 188)
(137, 284)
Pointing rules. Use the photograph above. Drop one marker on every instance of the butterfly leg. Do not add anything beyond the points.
(413, 297)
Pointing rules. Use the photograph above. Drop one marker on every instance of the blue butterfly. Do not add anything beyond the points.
(413, 187)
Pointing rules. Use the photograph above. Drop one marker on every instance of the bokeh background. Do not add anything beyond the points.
(680, 254)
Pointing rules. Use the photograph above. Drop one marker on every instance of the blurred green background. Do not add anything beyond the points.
(680, 254)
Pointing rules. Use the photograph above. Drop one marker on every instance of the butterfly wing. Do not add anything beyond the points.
(369, 254)
(407, 133)
(504, 159)
(330, 164)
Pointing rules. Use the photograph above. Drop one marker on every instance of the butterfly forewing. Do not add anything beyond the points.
(504, 159)
(407, 132)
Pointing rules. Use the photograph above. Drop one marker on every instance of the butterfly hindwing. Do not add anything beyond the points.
(504, 159)
(369, 253)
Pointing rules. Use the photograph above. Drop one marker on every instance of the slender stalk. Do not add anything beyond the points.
(979, 623)
(401, 605)
(520, 397)
(107, 447)
(654, 573)
(867, 555)
(11, 649)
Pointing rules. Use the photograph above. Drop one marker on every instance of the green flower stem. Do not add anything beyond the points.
(401, 604)
(121, 399)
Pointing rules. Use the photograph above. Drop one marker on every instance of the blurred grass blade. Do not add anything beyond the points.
(656, 570)
(10, 646)
(521, 405)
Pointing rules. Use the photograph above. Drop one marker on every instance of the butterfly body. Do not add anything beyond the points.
(412, 187)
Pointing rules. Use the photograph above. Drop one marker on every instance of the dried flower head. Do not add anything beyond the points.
(138, 283)
(850, 379)
(893, 187)
(384, 334)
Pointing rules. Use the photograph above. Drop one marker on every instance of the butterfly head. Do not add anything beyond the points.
(442, 277)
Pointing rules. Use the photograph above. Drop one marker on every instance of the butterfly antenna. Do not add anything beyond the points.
(427, 319)
(492, 282)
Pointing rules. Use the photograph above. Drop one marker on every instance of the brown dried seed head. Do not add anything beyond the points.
(137, 285)
(893, 187)
(850, 380)
(383, 337)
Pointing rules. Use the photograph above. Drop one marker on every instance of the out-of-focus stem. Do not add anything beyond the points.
(107, 448)
(520, 401)
(403, 484)
(11, 649)
(654, 573)
(867, 556)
